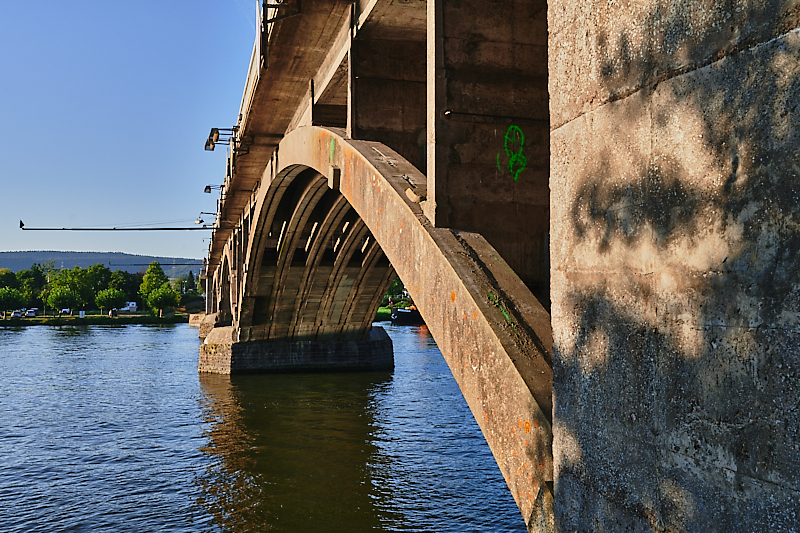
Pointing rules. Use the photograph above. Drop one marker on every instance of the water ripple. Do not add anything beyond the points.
(112, 429)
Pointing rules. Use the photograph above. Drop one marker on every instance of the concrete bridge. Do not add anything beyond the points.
(595, 207)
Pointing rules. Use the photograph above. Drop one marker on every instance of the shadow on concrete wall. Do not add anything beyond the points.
(677, 368)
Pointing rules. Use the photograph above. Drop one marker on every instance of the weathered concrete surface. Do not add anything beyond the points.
(195, 319)
(221, 354)
(488, 128)
(208, 323)
(388, 95)
(675, 245)
(493, 333)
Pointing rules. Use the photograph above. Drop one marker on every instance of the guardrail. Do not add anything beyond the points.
(253, 72)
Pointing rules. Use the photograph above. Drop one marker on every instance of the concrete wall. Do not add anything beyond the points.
(675, 255)
(388, 95)
(488, 142)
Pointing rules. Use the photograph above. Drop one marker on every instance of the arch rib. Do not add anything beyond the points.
(493, 333)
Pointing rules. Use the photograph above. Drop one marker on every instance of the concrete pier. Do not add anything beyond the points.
(219, 354)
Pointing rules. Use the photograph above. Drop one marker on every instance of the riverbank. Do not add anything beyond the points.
(92, 320)
(383, 315)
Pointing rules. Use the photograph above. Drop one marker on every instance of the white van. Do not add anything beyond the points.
(130, 306)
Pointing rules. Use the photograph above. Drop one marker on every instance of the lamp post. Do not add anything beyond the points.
(200, 217)
(227, 134)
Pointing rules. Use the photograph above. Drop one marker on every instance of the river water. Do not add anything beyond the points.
(113, 429)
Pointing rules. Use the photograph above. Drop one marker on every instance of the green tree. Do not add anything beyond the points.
(10, 298)
(128, 283)
(62, 297)
(190, 282)
(162, 297)
(179, 284)
(79, 282)
(43, 296)
(108, 298)
(396, 287)
(8, 279)
(97, 276)
(153, 279)
(31, 283)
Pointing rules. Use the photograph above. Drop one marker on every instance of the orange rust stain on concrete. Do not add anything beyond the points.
(519, 422)
(536, 423)
(486, 416)
(453, 296)
(541, 466)
(527, 426)
(475, 315)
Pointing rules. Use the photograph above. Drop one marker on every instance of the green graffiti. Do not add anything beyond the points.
(499, 305)
(514, 142)
(333, 149)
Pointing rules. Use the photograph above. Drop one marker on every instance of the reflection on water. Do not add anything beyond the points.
(351, 452)
(112, 429)
(293, 450)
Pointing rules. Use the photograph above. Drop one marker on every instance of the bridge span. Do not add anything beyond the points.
(353, 230)
(594, 206)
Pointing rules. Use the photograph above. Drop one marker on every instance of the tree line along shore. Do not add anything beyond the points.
(95, 290)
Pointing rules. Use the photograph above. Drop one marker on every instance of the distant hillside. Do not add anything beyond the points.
(16, 261)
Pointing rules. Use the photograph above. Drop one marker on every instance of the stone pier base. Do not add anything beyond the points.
(196, 319)
(219, 354)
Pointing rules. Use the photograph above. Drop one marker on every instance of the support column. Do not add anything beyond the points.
(675, 252)
(488, 128)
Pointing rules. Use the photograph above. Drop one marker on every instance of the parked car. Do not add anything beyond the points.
(16, 314)
(65, 311)
(30, 313)
(130, 306)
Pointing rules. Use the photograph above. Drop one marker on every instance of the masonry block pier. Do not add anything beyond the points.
(220, 354)
(595, 206)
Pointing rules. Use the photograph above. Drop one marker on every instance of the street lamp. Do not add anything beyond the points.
(200, 217)
(227, 134)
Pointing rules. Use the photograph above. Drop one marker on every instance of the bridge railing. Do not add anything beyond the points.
(253, 72)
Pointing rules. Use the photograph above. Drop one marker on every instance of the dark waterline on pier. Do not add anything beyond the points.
(112, 429)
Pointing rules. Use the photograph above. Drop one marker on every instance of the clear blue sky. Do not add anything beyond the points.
(105, 107)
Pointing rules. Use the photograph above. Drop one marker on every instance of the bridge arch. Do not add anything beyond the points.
(492, 332)
(315, 271)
